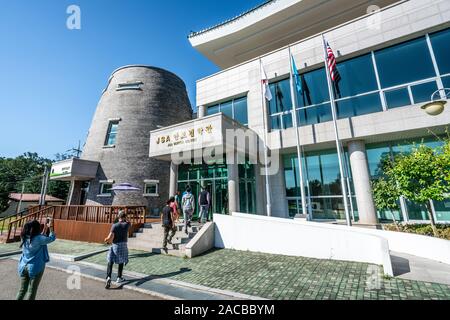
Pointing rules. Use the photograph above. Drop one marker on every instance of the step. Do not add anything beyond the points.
(154, 244)
(182, 239)
(159, 229)
(178, 251)
(151, 236)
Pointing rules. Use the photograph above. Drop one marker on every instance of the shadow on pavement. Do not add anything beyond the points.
(140, 281)
(400, 265)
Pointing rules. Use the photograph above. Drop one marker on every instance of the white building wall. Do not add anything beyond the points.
(400, 22)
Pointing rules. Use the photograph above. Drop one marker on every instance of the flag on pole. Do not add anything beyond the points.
(265, 83)
(331, 59)
(296, 76)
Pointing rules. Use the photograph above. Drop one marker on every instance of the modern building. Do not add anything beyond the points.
(136, 100)
(393, 56)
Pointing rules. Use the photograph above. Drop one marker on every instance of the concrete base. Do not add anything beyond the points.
(368, 226)
(202, 242)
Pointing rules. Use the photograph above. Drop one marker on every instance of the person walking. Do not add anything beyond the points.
(168, 222)
(34, 257)
(204, 202)
(118, 253)
(188, 206)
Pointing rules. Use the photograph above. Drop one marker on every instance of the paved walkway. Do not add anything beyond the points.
(251, 274)
(282, 277)
(54, 287)
(416, 268)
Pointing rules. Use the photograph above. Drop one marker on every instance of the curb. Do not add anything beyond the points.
(178, 283)
(149, 292)
(10, 253)
(70, 258)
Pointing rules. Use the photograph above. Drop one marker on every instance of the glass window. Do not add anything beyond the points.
(235, 109)
(227, 108)
(441, 47)
(281, 96)
(375, 156)
(357, 76)
(240, 110)
(315, 88)
(403, 63)
(397, 98)
(275, 122)
(151, 189)
(442, 209)
(323, 173)
(111, 134)
(446, 82)
(292, 207)
(287, 120)
(422, 92)
(359, 105)
(129, 86)
(105, 188)
(328, 208)
(213, 109)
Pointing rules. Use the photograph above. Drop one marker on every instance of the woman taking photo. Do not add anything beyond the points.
(34, 257)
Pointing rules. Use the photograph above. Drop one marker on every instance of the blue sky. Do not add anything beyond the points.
(51, 77)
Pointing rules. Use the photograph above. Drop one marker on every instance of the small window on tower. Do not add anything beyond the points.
(136, 85)
(111, 134)
(151, 188)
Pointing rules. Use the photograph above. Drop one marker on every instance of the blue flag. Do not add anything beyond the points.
(296, 76)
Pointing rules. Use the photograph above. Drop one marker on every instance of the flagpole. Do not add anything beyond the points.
(294, 122)
(265, 120)
(336, 134)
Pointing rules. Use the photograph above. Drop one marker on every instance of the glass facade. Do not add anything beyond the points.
(376, 153)
(215, 178)
(402, 82)
(235, 109)
(322, 182)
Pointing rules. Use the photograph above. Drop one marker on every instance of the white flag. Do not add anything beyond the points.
(265, 84)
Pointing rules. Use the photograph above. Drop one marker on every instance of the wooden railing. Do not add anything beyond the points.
(91, 214)
(5, 221)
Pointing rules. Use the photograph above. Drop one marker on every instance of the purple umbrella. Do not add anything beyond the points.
(125, 187)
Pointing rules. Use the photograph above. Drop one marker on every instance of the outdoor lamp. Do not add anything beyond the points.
(436, 106)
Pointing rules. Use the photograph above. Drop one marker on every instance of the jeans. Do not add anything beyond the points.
(204, 213)
(110, 267)
(187, 216)
(28, 286)
(167, 230)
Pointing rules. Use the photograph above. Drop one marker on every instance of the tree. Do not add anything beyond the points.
(420, 176)
(27, 170)
(385, 189)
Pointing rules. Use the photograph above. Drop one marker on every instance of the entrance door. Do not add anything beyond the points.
(84, 192)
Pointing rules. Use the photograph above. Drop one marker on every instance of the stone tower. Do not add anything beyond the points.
(137, 99)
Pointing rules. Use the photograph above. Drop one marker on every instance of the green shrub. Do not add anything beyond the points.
(422, 229)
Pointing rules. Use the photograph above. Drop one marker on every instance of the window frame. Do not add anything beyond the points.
(111, 122)
(149, 183)
(102, 184)
(233, 108)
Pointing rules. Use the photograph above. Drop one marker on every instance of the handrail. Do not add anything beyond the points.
(17, 216)
(90, 214)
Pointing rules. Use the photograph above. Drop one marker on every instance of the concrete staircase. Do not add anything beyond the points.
(150, 239)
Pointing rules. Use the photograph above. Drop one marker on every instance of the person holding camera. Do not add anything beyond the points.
(34, 256)
(118, 253)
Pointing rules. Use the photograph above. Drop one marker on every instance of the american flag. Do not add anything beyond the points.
(331, 59)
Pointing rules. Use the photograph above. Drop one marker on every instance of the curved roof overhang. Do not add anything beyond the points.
(273, 25)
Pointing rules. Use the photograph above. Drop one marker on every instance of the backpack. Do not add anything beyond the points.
(188, 202)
